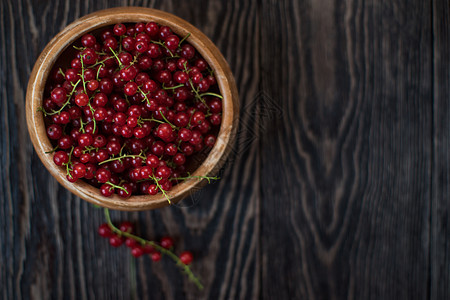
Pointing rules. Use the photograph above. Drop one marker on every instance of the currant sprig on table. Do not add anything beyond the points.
(124, 235)
(131, 110)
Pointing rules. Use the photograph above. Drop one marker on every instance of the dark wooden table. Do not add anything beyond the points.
(338, 187)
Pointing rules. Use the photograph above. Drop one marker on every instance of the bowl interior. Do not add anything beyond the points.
(60, 50)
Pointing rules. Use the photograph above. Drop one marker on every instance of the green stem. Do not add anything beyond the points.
(122, 157)
(156, 180)
(79, 48)
(82, 74)
(144, 94)
(211, 94)
(65, 104)
(197, 95)
(152, 120)
(117, 186)
(187, 35)
(115, 55)
(198, 177)
(51, 151)
(172, 87)
(164, 45)
(163, 250)
(69, 163)
(165, 119)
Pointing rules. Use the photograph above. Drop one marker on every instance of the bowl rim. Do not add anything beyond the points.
(103, 18)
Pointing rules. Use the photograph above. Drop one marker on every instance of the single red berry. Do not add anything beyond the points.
(148, 249)
(152, 189)
(164, 32)
(164, 131)
(100, 156)
(130, 243)
(179, 159)
(54, 131)
(152, 29)
(60, 158)
(105, 231)
(186, 257)
(156, 256)
(130, 88)
(106, 190)
(172, 42)
(92, 85)
(141, 46)
(119, 29)
(103, 175)
(85, 140)
(215, 119)
(210, 140)
(89, 57)
(65, 142)
(167, 242)
(58, 96)
(187, 51)
(126, 226)
(152, 161)
(90, 170)
(64, 117)
(128, 43)
(81, 99)
(88, 40)
(137, 251)
(79, 170)
(116, 241)
(71, 177)
(126, 192)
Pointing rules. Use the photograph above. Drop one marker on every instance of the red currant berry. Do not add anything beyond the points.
(156, 256)
(126, 191)
(172, 42)
(65, 142)
(106, 190)
(130, 243)
(137, 251)
(119, 29)
(59, 96)
(126, 226)
(186, 257)
(88, 40)
(54, 131)
(103, 175)
(116, 241)
(152, 189)
(81, 100)
(105, 231)
(60, 158)
(166, 242)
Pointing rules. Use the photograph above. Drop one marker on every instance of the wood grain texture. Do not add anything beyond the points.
(50, 248)
(347, 179)
(440, 205)
(337, 187)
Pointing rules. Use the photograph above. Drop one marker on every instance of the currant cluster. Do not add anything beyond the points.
(137, 248)
(131, 110)
(124, 235)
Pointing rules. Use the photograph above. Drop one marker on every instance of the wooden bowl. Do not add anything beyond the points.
(103, 18)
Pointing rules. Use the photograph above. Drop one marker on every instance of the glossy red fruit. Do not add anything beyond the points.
(156, 256)
(105, 231)
(137, 251)
(115, 241)
(166, 242)
(186, 257)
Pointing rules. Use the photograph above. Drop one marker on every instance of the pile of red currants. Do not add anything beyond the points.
(132, 110)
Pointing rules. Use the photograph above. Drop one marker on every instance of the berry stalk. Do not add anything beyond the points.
(173, 256)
